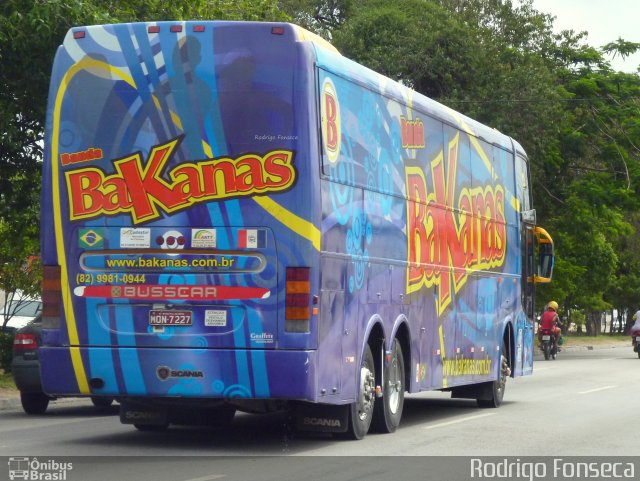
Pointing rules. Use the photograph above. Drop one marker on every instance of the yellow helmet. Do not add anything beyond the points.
(553, 305)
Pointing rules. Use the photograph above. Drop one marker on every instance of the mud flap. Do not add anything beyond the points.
(131, 413)
(321, 417)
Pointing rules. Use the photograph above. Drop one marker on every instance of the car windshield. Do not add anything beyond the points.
(24, 308)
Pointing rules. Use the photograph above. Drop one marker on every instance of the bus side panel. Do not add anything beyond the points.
(438, 199)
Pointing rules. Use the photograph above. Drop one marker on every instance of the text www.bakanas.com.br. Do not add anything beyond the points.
(156, 263)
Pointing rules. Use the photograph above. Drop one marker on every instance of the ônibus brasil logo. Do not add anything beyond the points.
(21, 467)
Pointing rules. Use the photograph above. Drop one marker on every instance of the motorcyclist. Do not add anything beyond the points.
(550, 321)
(635, 329)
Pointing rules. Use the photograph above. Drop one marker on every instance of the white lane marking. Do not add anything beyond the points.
(596, 389)
(208, 478)
(458, 421)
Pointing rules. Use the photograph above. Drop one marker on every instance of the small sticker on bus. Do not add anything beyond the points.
(203, 238)
(135, 238)
(217, 318)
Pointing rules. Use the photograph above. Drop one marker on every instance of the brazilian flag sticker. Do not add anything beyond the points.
(91, 238)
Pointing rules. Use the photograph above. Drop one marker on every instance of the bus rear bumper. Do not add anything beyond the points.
(176, 372)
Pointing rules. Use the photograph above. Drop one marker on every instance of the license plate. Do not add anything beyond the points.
(546, 338)
(638, 339)
(170, 318)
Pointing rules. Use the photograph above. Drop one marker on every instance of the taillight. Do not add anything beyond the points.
(298, 300)
(51, 296)
(23, 342)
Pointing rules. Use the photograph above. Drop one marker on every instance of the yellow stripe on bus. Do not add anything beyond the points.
(176, 119)
(72, 329)
(207, 150)
(297, 224)
(442, 354)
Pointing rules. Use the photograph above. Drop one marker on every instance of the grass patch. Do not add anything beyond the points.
(6, 380)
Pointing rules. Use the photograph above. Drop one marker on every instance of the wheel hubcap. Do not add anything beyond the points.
(504, 372)
(367, 393)
(395, 386)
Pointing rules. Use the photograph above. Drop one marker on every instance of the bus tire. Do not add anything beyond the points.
(34, 402)
(221, 416)
(387, 414)
(151, 427)
(361, 411)
(493, 392)
(101, 401)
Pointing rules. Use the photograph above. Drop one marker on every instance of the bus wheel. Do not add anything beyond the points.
(494, 391)
(151, 427)
(361, 411)
(34, 402)
(221, 416)
(387, 414)
(101, 402)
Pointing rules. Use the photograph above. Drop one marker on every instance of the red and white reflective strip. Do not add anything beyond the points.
(172, 292)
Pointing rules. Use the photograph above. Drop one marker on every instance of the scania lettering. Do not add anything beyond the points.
(334, 423)
(236, 216)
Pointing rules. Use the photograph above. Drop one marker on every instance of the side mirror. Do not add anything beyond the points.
(545, 256)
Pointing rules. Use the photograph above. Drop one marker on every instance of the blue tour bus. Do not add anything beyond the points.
(235, 216)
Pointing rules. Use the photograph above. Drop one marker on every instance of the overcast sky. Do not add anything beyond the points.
(605, 20)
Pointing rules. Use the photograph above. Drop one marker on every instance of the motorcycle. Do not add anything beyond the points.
(548, 344)
(635, 340)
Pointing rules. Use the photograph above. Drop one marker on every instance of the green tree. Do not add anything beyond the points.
(30, 32)
(319, 16)
(501, 63)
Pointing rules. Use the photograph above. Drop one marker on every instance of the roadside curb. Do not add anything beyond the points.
(592, 348)
(8, 403)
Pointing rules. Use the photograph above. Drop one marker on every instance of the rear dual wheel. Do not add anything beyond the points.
(388, 409)
(384, 412)
(361, 411)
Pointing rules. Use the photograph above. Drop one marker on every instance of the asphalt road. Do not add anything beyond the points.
(582, 404)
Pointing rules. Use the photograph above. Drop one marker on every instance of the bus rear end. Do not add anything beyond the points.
(179, 246)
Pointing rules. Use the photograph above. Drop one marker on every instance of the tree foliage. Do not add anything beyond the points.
(30, 32)
(501, 62)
